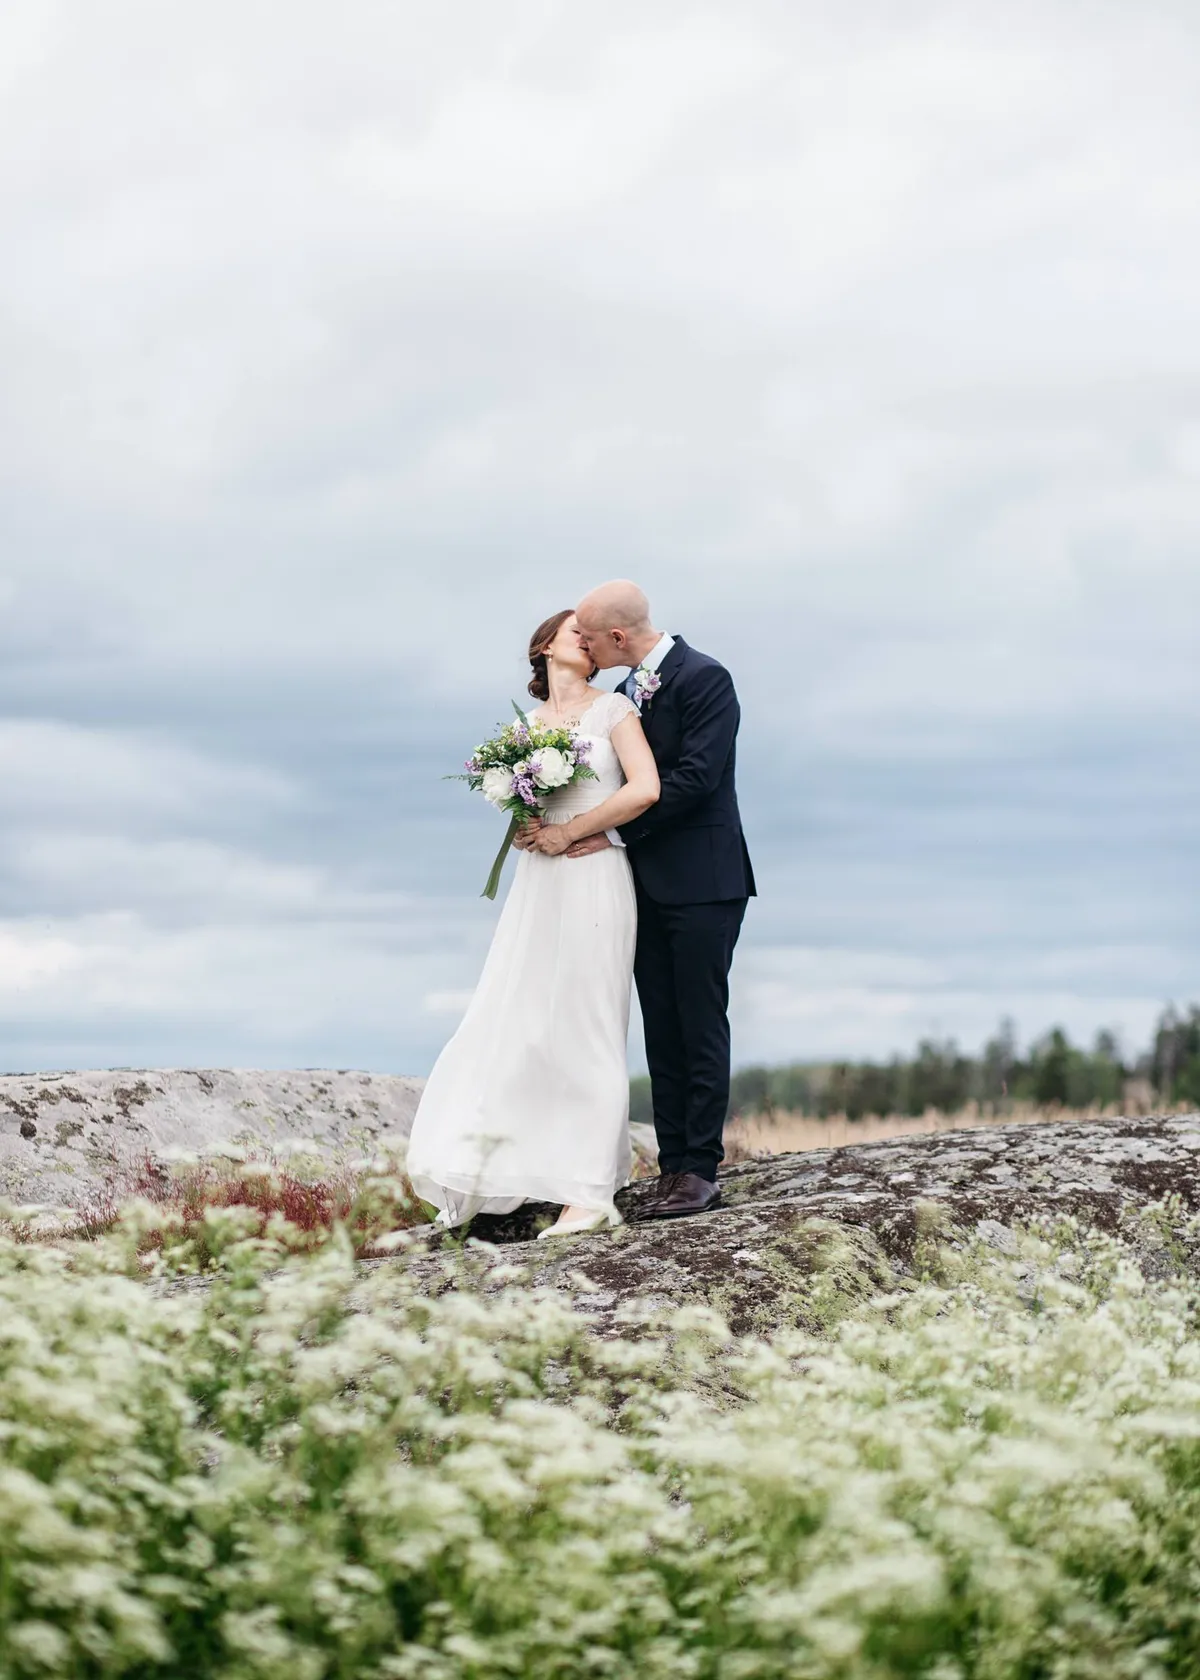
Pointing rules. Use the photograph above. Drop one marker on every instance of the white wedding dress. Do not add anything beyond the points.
(529, 1101)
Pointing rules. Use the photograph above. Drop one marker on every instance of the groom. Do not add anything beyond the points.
(693, 878)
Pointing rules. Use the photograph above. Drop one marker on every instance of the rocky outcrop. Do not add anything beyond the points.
(63, 1135)
(798, 1239)
(801, 1237)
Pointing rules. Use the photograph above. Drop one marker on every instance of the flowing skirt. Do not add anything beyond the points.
(529, 1101)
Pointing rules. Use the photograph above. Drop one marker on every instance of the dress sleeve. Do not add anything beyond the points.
(617, 708)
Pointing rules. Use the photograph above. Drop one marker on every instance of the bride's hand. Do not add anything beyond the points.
(553, 839)
(525, 839)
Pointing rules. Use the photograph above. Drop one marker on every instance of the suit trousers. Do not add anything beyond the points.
(684, 954)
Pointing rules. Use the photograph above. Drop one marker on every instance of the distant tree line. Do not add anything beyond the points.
(1054, 1073)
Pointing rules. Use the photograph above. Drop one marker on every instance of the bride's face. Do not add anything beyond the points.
(569, 652)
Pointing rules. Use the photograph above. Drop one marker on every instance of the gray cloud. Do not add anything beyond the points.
(336, 355)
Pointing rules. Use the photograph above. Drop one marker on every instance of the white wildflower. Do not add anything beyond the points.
(226, 1152)
(391, 1241)
(40, 1646)
(301, 1146)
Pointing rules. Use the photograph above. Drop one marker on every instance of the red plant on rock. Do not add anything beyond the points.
(369, 1206)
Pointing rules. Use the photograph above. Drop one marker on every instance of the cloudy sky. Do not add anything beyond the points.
(340, 344)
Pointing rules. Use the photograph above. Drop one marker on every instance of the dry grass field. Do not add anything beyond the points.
(781, 1132)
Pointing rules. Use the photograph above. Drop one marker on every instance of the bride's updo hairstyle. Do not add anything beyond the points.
(539, 683)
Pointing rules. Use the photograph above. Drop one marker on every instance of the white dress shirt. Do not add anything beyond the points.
(652, 661)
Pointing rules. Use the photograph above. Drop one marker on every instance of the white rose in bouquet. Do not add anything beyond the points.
(550, 768)
(497, 785)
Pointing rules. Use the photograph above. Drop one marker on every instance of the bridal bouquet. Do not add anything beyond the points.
(517, 768)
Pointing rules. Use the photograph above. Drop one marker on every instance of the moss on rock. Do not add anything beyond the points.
(801, 1239)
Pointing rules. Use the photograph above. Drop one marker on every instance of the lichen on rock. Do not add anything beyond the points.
(801, 1239)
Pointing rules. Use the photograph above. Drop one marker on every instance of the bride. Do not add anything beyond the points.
(529, 1101)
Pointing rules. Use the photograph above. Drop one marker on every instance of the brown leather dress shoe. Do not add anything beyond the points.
(659, 1191)
(689, 1194)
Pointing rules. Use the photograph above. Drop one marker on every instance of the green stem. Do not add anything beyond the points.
(493, 880)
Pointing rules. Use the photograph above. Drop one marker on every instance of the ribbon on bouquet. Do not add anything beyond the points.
(493, 880)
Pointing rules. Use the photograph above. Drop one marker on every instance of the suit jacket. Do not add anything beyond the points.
(689, 848)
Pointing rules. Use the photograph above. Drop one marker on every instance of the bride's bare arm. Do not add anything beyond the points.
(640, 791)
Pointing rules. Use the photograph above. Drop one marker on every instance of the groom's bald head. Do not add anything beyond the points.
(615, 606)
(615, 625)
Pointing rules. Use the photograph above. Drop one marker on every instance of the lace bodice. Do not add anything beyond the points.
(595, 726)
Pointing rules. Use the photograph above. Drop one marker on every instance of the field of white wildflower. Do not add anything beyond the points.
(298, 1469)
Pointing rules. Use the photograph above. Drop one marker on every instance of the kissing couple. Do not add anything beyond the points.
(639, 872)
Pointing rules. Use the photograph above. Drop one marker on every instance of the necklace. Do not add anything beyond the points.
(572, 712)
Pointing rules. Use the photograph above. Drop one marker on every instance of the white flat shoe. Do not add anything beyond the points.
(596, 1221)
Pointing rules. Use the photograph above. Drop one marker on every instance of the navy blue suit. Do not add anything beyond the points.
(693, 877)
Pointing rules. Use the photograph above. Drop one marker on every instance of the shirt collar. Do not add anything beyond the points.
(657, 654)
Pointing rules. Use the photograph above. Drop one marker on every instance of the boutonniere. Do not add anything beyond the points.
(646, 684)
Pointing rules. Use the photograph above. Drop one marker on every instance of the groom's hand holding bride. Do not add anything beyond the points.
(585, 848)
(555, 840)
